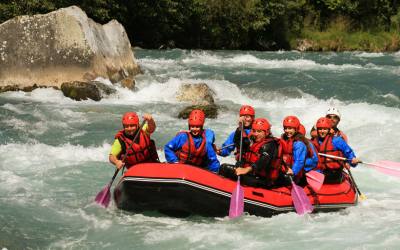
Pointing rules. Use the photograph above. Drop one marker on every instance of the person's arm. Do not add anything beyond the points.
(151, 125)
(228, 150)
(311, 162)
(174, 145)
(212, 160)
(114, 153)
(347, 151)
(299, 156)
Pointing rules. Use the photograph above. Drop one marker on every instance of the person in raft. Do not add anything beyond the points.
(334, 115)
(125, 151)
(193, 147)
(246, 116)
(295, 149)
(327, 143)
(260, 164)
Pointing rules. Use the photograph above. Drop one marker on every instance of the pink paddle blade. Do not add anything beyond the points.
(388, 171)
(315, 179)
(386, 168)
(237, 201)
(300, 200)
(391, 164)
(103, 197)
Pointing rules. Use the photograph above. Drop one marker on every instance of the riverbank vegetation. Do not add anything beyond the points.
(314, 25)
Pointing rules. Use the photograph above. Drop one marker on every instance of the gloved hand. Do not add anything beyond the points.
(239, 164)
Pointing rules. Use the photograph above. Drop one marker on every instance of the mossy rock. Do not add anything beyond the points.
(211, 111)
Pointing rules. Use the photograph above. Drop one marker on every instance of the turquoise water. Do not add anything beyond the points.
(54, 152)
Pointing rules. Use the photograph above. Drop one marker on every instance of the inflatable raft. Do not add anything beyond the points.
(183, 190)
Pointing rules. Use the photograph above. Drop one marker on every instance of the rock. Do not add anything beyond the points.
(86, 90)
(128, 83)
(200, 96)
(63, 46)
(304, 45)
(196, 94)
(210, 110)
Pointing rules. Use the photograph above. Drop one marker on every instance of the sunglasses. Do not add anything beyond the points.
(332, 117)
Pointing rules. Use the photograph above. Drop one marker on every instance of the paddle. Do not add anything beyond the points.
(300, 200)
(103, 197)
(229, 145)
(361, 195)
(315, 179)
(236, 206)
(387, 167)
(237, 201)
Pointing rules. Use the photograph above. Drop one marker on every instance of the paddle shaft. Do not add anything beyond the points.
(227, 146)
(241, 141)
(354, 182)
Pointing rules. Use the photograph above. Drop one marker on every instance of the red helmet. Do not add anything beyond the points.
(323, 122)
(130, 118)
(261, 124)
(291, 121)
(247, 110)
(302, 129)
(196, 118)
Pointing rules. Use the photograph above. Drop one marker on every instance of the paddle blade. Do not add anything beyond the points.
(362, 197)
(387, 167)
(391, 164)
(315, 179)
(237, 201)
(300, 200)
(103, 197)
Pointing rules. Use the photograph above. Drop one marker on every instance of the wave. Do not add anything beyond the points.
(36, 157)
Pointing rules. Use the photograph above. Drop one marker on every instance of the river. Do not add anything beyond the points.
(54, 152)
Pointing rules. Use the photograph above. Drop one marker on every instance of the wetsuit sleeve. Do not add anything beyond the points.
(210, 136)
(246, 140)
(267, 152)
(229, 141)
(174, 145)
(212, 160)
(340, 144)
(299, 156)
(311, 162)
(116, 148)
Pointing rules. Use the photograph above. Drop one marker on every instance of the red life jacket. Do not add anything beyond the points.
(286, 150)
(253, 156)
(189, 154)
(138, 152)
(327, 148)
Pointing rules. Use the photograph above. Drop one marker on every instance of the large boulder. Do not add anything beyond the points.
(200, 96)
(196, 94)
(63, 46)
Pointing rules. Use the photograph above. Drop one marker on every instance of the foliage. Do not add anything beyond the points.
(237, 24)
